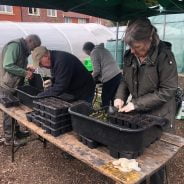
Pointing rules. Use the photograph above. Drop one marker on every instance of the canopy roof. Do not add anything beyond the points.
(116, 10)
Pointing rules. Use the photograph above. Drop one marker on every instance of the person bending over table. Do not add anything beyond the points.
(68, 74)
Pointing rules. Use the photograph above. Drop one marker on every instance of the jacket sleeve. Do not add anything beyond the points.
(95, 57)
(11, 56)
(122, 91)
(168, 83)
(62, 77)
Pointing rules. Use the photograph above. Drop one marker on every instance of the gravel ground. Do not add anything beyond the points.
(36, 165)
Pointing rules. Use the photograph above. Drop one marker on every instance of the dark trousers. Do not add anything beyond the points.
(109, 89)
(7, 120)
(7, 126)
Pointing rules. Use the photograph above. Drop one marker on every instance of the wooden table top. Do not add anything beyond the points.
(153, 158)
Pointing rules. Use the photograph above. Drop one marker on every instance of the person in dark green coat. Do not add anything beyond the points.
(149, 76)
(13, 70)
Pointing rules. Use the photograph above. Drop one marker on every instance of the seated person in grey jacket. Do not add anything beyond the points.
(68, 74)
(105, 70)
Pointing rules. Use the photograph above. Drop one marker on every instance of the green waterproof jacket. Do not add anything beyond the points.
(13, 63)
(153, 84)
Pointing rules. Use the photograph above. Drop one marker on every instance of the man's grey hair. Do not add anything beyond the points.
(34, 38)
(141, 30)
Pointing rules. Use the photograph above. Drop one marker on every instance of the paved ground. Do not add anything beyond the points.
(36, 165)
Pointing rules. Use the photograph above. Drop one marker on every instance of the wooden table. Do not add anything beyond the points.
(154, 157)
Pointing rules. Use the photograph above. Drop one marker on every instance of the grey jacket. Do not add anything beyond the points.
(104, 65)
(153, 84)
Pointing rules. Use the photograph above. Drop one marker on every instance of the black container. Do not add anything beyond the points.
(27, 94)
(37, 81)
(119, 140)
(57, 132)
(9, 101)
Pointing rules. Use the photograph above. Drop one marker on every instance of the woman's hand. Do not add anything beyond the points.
(118, 103)
(127, 108)
(47, 83)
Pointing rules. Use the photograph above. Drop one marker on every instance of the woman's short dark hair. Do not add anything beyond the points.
(88, 46)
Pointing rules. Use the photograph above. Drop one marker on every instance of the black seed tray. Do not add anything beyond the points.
(120, 139)
(57, 118)
(134, 120)
(26, 95)
(52, 105)
(9, 101)
(56, 125)
(57, 132)
(39, 112)
(37, 122)
(29, 116)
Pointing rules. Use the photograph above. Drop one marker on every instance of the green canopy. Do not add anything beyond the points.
(116, 10)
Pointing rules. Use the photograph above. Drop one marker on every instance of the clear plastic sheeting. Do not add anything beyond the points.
(171, 28)
(121, 31)
(57, 36)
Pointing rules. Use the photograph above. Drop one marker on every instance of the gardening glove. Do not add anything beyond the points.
(118, 103)
(47, 83)
(127, 108)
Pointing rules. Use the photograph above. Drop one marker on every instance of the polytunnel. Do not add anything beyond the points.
(68, 37)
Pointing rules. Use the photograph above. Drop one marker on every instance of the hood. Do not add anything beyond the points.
(165, 45)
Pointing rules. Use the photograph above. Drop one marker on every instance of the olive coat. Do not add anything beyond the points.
(152, 84)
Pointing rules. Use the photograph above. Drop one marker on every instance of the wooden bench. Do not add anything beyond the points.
(154, 157)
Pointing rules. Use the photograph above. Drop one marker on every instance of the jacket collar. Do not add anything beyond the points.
(152, 55)
(24, 46)
(150, 60)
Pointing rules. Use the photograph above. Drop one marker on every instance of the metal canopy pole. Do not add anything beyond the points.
(164, 27)
(117, 32)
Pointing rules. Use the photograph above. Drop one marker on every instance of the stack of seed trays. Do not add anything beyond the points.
(52, 115)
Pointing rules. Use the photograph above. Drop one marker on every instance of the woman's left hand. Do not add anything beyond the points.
(127, 108)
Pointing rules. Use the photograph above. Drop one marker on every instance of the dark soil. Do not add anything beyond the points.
(36, 165)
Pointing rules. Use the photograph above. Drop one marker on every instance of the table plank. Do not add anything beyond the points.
(154, 157)
(173, 139)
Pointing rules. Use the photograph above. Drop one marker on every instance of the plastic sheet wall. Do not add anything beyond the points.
(57, 36)
(171, 29)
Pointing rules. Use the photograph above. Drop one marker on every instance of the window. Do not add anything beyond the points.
(34, 11)
(52, 13)
(68, 20)
(82, 21)
(6, 9)
(99, 21)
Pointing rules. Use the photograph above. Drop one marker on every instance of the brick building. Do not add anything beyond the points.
(26, 14)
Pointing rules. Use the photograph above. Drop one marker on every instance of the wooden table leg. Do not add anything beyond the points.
(44, 143)
(13, 139)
